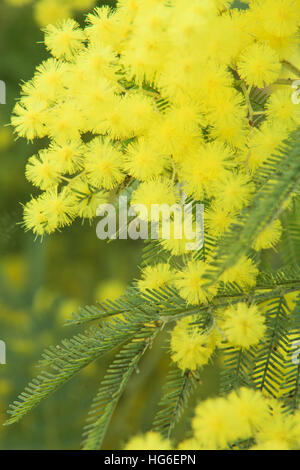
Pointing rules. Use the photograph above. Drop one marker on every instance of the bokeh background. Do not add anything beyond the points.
(42, 283)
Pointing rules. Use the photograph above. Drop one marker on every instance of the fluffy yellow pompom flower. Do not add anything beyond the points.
(65, 39)
(34, 217)
(244, 414)
(259, 65)
(180, 240)
(50, 211)
(244, 273)
(250, 407)
(149, 441)
(49, 78)
(143, 162)
(59, 208)
(103, 164)
(192, 285)
(60, 122)
(205, 168)
(215, 424)
(265, 141)
(156, 191)
(280, 18)
(67, 156)
(233, 191)
(28, 119)
(243, 326)
(269, 237)
(42, 171)
(190, 348)
(282, 429)
(218, 220)
(103, 27)
(155, 277)
(280, 107)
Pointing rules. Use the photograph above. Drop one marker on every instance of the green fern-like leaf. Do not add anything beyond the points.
(176, 392)
(238, 365)
(268, 373)
(65, 360)
(113, 385)
(267, 205)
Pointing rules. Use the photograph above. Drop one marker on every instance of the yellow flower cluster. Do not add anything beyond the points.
(51, 11)
(132, 94)
(245, 416)
(240, 326)
(191, 348)
(243, 326)
(156, 95)
(191, 282)
(149, 441)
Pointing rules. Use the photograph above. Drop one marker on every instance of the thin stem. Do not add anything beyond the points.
(247, 98)
(223, 301)
(291, 67)
(284, 81)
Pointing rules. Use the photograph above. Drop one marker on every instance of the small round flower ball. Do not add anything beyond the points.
(243, 326)
(269, 237)
(281, 108)
(218, 220)
(151, 194)
(190, 347)
(215, 424)
(103, 164)
(259, 65)
(34, 217)
(143, 162)
(149, 441)
(192, 285)
(184, 236)
(65, 39)
(280, 428)
(251, 408)
(28, 119)
(233, 191)
(243, 273)
(156, 277)
(279, 18)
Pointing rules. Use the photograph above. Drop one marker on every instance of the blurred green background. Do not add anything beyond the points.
(42, 283)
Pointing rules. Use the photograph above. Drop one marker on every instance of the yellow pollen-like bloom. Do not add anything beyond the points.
(191, 283)
(190, 347)
(243, 326)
